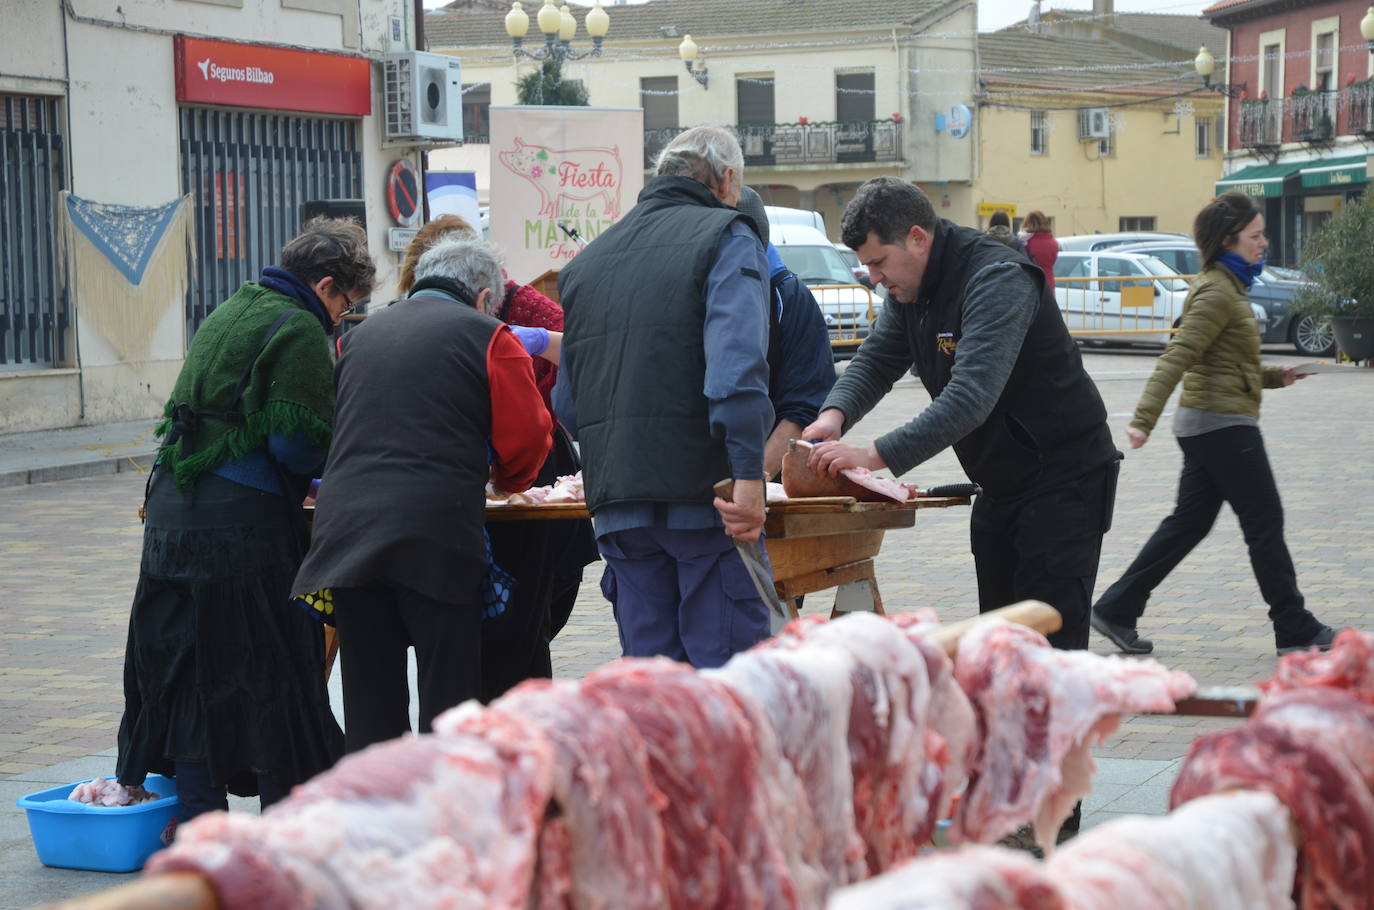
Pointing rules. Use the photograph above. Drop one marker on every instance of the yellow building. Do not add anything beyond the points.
(1099, 121)
(823, 94)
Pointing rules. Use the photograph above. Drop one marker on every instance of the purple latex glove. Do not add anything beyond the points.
(534, 340)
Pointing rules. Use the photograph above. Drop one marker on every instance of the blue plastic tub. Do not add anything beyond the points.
(72, 835)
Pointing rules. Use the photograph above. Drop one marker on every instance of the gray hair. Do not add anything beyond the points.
(702, 153)
(471, 263)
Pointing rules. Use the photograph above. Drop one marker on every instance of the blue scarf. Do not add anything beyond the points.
(1246, 271)
(283, 282)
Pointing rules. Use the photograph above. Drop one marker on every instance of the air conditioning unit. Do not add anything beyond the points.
(422, 97)
(1094, 123)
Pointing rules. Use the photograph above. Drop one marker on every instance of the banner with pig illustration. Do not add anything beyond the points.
(582, 167)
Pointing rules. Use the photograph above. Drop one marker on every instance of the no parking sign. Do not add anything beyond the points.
(403, 193)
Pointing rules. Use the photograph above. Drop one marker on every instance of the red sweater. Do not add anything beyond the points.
(1043, 250)
(520, 429)
(526, 306)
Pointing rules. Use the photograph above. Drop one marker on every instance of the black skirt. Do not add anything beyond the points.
(220, 667)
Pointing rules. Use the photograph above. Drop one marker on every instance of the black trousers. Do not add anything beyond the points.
(1045, 546)
(1223, 466)
(377, 624)
(199, 794)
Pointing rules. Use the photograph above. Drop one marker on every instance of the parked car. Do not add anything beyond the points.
(778, 214)
(1310, 335)
(851, 259)
(1140, 311)
(849, 308)
(1091, 242)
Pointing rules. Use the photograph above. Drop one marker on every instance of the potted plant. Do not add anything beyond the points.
(1339, 269)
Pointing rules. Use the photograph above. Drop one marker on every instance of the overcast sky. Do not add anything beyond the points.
(993, 14)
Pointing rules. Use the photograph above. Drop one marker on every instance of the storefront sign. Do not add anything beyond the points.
(275, 78)
(560, 169)
(989, 208)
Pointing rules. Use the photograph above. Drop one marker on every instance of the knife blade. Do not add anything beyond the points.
(751, 554)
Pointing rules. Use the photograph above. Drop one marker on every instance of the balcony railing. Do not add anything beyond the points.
(1312, 116)
(1261, 123)
(784, 144)
(1358, 100)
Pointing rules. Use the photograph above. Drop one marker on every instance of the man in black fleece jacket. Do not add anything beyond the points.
(1008, 391)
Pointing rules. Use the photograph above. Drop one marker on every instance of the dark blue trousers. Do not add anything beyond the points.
(681, 594)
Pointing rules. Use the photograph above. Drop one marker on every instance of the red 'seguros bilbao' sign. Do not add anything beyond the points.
(278, 78)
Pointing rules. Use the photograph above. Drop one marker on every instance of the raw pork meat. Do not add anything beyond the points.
(892, 756)
(1335, 718)
(805, 694)
(799, 480)
(1329, 803)
(1230, 851)
(1348, 665)
(971, 878)
(106, 791)
(608, 804)
(423, 822)
(886, 486)
(568, 488)
(951, 715)
(723, 848)
(1039, 711)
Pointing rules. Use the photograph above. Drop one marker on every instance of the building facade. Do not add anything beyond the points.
(1302, 115)
(823, 96)
(157, 153)
(1097, 120)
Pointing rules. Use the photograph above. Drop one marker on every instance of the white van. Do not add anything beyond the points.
(780, 215)
(849, 307)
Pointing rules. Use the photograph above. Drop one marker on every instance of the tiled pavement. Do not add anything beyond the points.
(69, 559)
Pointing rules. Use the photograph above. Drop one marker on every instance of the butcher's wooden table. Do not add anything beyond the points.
(814, 544)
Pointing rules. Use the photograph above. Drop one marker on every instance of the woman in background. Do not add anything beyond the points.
(1040, 244)
(1216, 353)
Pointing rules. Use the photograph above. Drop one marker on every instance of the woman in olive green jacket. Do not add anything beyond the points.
(1216, 352)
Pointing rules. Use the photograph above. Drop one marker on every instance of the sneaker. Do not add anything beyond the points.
(1128, 640)
(1322, 641)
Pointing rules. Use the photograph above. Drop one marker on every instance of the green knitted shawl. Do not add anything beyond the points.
(291, 389)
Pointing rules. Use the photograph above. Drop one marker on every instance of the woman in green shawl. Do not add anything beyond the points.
(223, 678)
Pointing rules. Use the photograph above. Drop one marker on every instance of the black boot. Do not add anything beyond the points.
(1321, 640)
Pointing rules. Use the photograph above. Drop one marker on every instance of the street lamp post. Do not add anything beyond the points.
(689, 53)
(1206, 64)
(559, 28)
(1367, 27)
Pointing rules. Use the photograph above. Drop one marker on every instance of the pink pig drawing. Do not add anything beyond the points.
(568, 175)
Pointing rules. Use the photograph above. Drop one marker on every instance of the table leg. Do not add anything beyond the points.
(859, 596)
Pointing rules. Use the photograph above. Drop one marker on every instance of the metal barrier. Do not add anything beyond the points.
(849, 311)
(1126, 307)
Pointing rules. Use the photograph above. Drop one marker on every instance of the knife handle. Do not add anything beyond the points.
(955, 489)
(725, 489)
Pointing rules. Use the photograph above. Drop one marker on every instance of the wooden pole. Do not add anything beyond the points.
(173, 891)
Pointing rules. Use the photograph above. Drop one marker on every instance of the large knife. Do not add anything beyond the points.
(751, 554)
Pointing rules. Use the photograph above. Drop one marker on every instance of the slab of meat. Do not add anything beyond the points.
(893, 757)
(608, 803)
(1335, 718)
(971, 878)
(1039, 711)
(723, 849)
(425, 822)
(1329, 802)
(1231, 851)
(805, 695)
(799, 480)
(951, 714)
(1348, 665)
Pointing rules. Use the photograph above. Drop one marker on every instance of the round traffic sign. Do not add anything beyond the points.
(403, 193)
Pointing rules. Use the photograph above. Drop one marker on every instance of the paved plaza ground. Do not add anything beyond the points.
(69, 559)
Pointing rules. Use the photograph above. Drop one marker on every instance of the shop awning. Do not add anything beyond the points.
(1335, 171)
(1258, 179)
